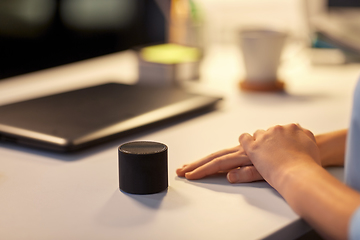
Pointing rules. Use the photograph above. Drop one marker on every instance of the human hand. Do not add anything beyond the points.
(280, 150)
(232, 160)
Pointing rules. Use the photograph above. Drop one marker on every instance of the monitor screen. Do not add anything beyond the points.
(343, 3)
(39, 34)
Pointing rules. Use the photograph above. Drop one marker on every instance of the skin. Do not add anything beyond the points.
(291, 160)
(240, 169)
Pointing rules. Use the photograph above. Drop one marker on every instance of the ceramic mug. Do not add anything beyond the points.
(261, 50)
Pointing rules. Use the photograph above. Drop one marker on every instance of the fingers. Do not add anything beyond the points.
(190, 167)
(245, 137)
(238, 158)
(244, 174)
(223, 163)
(245, 140)
(258, 134)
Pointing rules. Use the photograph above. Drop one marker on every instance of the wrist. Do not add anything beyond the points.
(321, 141)
(295, 176)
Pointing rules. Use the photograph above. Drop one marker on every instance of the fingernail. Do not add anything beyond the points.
(187, 174)
(232, 177)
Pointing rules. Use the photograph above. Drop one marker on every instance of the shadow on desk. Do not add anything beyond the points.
(250, 192)
(119, 210)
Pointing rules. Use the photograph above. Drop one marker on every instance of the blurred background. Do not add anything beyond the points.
(38, 34)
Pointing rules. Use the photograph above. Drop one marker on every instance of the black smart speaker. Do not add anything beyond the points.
(143, 167)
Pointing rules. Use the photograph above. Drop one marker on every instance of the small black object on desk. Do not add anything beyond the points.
(143, 167)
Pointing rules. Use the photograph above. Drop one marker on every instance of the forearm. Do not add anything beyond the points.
(323, 201)
(332, 147)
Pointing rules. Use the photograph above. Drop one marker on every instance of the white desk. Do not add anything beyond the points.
(55, 196)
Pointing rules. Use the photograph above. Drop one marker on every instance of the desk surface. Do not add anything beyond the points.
(46, 195)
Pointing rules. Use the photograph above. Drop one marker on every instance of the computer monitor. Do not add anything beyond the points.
(40, 34)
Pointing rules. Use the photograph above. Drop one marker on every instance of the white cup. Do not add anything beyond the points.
(261, 53)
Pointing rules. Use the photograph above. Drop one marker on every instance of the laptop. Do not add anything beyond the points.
(69, 31)
(82, 118)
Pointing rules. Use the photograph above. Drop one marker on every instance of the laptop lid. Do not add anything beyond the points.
(81, 118)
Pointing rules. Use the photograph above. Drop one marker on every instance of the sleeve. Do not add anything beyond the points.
(352, 156)
(354, 228)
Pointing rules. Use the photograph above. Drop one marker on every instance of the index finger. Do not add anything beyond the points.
(245, 139)
(190, 167)
(223, 163)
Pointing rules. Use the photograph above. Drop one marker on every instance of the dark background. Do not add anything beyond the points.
(26, 46)
(344, 3)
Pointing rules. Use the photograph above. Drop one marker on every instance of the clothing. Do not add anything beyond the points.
(354, 229)
(352, 160)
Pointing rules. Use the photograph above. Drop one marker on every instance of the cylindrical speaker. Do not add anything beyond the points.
(143, 167)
